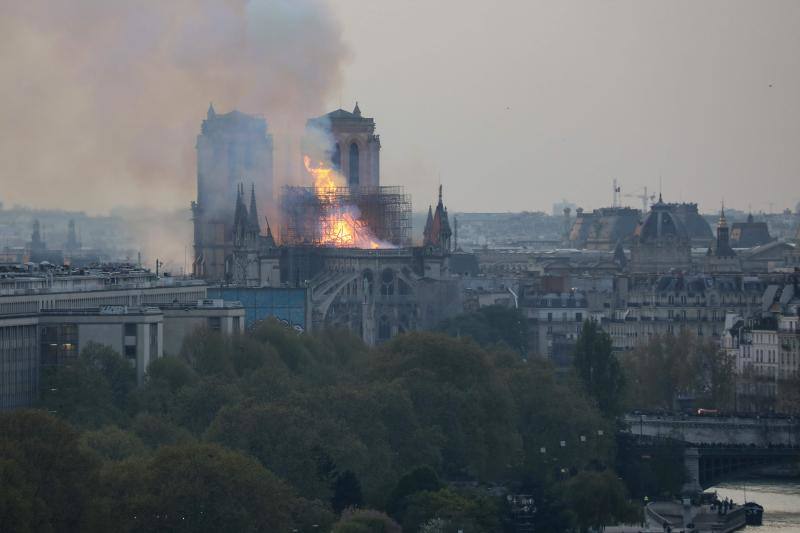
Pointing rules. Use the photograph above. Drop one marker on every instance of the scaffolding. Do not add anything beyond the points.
(309, 215)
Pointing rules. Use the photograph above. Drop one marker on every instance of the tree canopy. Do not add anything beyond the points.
(310, 426)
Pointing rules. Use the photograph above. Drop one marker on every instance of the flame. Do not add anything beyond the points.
(341, 226)
(326, 180)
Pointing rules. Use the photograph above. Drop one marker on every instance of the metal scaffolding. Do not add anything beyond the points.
(310, 215)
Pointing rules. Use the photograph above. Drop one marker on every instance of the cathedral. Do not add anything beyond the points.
(377, 292)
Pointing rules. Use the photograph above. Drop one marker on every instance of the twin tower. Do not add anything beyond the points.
(235, 148)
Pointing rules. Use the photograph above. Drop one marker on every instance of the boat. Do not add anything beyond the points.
(753, 513)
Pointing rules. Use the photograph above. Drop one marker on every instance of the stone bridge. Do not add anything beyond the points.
(719, 447)
(722, 430)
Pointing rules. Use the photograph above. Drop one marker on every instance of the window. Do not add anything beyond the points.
(549, 317)
(578, 317)
(130, 330)
(153, 341)
(214, 323)
(353, 175)
(130, 352)
(336, 159)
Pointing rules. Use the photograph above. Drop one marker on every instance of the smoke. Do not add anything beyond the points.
(101, 101)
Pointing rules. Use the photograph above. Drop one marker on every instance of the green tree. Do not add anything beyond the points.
(468, 512)
(46, 477)
(458, 396)
(193, 488)
(598, 499)
(365, 521)
(346, 491)
(113, 444)
(156, 430)
(490, 325)
(598, 368)
(91, 391)
(420, 479)
(291, 442)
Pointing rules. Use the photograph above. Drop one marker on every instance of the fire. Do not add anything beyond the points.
(341, 226)
(326, 180)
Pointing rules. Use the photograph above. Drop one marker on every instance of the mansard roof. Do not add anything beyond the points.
(661, 223)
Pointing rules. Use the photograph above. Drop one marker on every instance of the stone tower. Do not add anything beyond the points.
(231, 148)
(352, 146)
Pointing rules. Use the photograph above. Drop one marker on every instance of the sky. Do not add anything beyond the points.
(511, 105)
(517, 104)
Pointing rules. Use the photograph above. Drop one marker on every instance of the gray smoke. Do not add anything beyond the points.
(102, 101)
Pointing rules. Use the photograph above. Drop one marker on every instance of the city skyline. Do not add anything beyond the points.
(651, 94)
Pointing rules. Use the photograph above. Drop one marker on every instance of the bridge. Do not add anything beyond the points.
(718, 447)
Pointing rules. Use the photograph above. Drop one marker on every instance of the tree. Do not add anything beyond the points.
(490, 325)
(459, 396)
(420, 479)
(194, 488)
(346, 492)
(46, 477)
(468, 512)
(671, 366)
(91, 391)
(113, 444)
(598, 499)
(598, 368)
(365, 521)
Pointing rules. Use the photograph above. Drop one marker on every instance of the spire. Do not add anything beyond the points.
(723, 222)
(440, 194)
(269, 238)
(211, 113)
(428, 227)
(253, 215)
(356, 110)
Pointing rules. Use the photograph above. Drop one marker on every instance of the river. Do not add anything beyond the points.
(780, 498)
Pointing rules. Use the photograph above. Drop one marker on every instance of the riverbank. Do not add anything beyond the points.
(780, 498)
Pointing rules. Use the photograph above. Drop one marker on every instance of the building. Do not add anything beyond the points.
(721, 257)
(214, 314)
(661, 242)
(116, 305)
(750, 234)
(232, 148)
(602, 229)
(349, 144)
(697, 228)
(19, 360)
(136, 333)
(648, 305)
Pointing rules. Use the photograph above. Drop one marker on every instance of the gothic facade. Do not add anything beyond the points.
(232, 148)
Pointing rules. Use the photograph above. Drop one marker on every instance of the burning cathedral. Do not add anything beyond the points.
(343, 238)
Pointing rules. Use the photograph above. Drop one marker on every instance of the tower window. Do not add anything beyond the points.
(353, 177)
(336, 158)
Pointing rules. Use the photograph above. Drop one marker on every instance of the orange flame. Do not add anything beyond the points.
(342, 228)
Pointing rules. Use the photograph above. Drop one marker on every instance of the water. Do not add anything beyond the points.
(780, 498)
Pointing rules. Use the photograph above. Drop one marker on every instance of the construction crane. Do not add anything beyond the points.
(645, 198)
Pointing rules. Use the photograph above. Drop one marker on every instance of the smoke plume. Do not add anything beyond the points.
(101, 101)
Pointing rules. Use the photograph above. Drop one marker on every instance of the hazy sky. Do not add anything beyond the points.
(517, 104)
(514, 104)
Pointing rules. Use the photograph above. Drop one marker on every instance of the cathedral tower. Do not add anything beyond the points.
(231, 148)
(353, 149)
